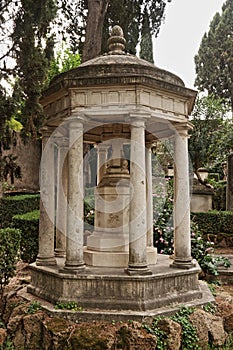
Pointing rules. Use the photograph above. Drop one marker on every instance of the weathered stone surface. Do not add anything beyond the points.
(3, 335)
(133, 336)
(225, 309)
(173, 331)
(209, 328)
(198, 320)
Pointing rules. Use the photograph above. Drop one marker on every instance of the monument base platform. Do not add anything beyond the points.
(112, 289)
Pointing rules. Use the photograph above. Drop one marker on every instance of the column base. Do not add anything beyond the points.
(72, 269)
(138, 271)
(47, 261)
(60, 253)
(179, 264)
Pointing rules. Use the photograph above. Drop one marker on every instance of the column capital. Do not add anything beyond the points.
(46, 131)
(183, 128)
(138, 119)
(61, 141)
(102, 147)
(75, 123)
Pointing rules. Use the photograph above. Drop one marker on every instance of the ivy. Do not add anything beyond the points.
(9, 248)
(189, 335)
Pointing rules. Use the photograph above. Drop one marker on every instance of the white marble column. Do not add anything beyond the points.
(102, 157)
(149, 196)
(74, 240)
(182, 239)
(138, 225)
(61, 208)
(47, 201)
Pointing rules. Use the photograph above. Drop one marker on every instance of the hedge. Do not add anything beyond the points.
(9, 249)
(28, 224)
(214, 222)
(12, 205)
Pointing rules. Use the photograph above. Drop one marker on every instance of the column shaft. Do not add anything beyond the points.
(61, 212)
(182, 240)
(47, 202)
(149, 197)
(74, 239)
(138, 226)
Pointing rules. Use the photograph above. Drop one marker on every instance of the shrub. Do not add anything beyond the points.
(28, 224)
(163, 216)
(214, 222)
(226, 221)
(202, 250)
(9, 247)
(209, 222)
(12, 205)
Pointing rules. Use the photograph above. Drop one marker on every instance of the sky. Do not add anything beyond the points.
(180, 36)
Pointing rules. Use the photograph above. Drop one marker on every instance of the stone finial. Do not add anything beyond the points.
(116, 42)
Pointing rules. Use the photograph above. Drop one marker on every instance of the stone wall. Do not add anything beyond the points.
(28, 158)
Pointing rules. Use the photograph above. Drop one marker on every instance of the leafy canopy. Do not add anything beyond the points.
(214, 61)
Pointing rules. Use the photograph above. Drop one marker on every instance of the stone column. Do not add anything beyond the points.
(182, 240)
(74, 240)
(137, 225)
(61, 209)
(47, 201)
(149, 196)
(102, 157)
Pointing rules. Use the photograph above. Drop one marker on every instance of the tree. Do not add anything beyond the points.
(146, 46)
(27, 47)
(33, 51)
(94, 28)
(126, 13)
(212, 136)
(214, 61)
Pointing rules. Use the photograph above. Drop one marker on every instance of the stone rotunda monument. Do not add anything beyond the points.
(113, 101)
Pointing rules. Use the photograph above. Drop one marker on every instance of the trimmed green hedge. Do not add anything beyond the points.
(214, 222)
(12, 205)
(9, 254)
(28, 224)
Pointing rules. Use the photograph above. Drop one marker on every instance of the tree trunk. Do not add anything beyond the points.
(95, 19)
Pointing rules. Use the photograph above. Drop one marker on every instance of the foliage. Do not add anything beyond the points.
(64, 61)
(163, 216)
(129, 14)
(214, 222)
(26, 32)
(71, 305)
(7, 345)
(33, 307)
(189, 336)
(146, 45)
(28, 224)
(160, 335)
(214, 61)
(20, 204)
(9, 247)
(202, 250)
(89, 214)
(219, 196)
(211, 138)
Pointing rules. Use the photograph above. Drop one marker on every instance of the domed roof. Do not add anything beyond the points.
(115, 67)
